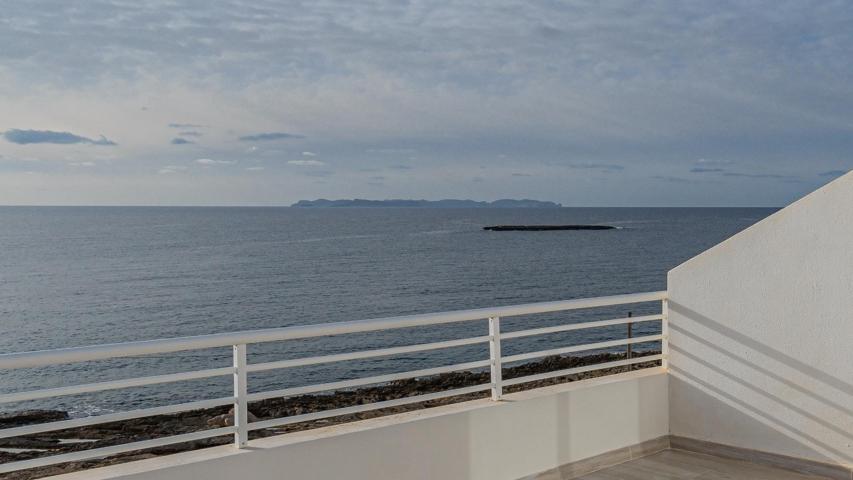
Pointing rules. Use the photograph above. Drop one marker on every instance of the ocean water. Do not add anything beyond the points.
(72, 276)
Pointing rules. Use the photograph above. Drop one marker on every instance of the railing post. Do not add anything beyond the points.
(241, 406)
(629, 354)
(664, 330)
(495, 357)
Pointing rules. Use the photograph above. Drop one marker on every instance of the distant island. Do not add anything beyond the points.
(447, 203)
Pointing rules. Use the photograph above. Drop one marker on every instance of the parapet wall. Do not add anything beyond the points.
(527, 433)
(761, 334)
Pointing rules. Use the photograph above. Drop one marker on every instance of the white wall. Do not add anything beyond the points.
(527, 433)
(762, 334)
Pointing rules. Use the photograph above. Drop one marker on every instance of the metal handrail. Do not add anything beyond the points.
(241, 368)
(147, 347)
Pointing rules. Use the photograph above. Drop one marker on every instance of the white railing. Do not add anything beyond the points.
(241, 368)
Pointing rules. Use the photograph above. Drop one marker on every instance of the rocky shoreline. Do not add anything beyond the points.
(96, 436)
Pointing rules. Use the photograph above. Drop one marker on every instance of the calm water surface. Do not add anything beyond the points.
(73, 276)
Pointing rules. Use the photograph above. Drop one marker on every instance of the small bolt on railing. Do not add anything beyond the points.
(241, 368)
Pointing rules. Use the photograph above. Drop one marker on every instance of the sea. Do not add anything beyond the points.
(75, 276)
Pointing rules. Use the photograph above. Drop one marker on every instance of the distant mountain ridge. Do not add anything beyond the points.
(446, 203)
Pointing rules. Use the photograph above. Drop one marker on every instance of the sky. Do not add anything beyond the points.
(586, 103)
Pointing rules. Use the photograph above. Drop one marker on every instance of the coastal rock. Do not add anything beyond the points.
(28, 443)
(30, 417)
(227, 419)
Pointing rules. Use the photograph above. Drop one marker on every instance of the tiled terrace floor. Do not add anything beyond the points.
(677, 464)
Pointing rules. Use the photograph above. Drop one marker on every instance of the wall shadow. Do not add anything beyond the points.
(698, 390)
(837, 383)
(748, 415)
(805, 413)
(764, 371)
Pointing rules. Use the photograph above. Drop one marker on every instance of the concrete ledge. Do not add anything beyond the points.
(800, 465)
(527, 432)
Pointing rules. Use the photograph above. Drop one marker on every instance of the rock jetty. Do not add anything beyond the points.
(540, 228)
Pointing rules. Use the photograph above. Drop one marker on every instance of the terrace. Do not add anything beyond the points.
(742, 371)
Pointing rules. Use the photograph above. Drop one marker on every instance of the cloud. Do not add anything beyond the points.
(306, 163)
(605, 167)
(521, 174)
(706, 170)
(26, 137)
(170, 169)
(392, 151)
(833, 173)
(479, 79)
(208, 161)
(190, 133)
(757, 175)
(82, 164)
(255, 169)
(265, 137)
(318, 173)
(181, 141)
(672, 179)
(309, 154)
(401, 167)
(713, 161)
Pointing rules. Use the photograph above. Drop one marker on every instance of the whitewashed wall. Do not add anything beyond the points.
(762, 334)
(528, 433)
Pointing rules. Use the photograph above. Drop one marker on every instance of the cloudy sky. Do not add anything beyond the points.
(586, 103)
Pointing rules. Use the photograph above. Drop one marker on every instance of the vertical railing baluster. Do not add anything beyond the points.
(495, 357)
(664, 331)
(629, 354)
(241, 406)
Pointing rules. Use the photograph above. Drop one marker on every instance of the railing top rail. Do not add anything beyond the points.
(147, 347)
